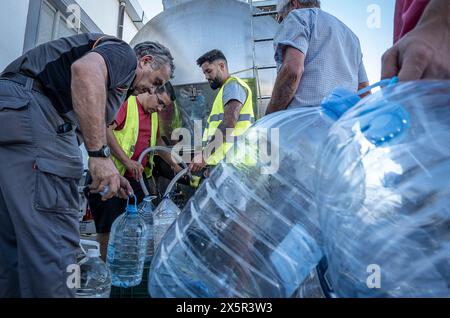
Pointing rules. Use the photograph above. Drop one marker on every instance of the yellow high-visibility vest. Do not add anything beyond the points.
(127, 137)
(246, 119)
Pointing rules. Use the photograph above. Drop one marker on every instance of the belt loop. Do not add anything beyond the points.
(29, 84)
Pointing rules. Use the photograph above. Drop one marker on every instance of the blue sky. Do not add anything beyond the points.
(375, 38)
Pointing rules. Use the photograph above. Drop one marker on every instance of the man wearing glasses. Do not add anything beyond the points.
(135, 128)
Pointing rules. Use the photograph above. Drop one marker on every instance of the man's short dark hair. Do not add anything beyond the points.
(210, 57)
(167, 88)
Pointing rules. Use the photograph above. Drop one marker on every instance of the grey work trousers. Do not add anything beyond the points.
(39, 204)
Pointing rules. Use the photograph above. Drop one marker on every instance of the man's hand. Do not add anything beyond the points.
(197, 164)
(135, 168)
(176, 169)
(424, 53)
(104, 174)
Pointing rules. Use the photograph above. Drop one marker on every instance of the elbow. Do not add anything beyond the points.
(77, 69)
(79, 73)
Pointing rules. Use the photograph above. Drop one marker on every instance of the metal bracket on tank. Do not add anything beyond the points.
(193, 93)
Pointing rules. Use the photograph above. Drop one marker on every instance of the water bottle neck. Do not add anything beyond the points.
(93, 253)
(341, 99)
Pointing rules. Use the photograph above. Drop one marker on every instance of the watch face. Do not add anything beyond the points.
(106, 151)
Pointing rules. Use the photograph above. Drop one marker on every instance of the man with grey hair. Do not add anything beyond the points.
(315, 52)
(70, 85)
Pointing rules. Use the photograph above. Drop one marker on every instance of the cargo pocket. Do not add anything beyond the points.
(15, 121)
(57, 185)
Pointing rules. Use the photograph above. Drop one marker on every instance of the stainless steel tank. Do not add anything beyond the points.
(191, 28)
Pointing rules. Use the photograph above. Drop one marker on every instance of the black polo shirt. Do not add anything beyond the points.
(51, 63)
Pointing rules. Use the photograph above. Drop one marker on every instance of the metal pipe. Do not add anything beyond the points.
(120, 23)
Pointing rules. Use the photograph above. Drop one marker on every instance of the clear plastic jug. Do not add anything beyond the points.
(252, 229)
(145, 211)
(95, 277)
(383, 194)
(127, 248)
(167, 211)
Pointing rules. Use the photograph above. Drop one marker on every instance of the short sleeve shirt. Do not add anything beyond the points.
(51, 62)
(332, 52)
(234, 91)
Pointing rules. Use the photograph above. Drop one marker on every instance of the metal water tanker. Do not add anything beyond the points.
(191, 28)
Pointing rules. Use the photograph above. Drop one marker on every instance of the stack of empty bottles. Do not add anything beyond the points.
(384, 194)
(252, 229)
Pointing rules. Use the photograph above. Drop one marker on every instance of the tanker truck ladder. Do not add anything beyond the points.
(260, 9)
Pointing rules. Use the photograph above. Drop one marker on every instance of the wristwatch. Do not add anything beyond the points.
(104, 152)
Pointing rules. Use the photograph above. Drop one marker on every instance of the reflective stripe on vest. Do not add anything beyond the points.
(246, 119)
(127, 137)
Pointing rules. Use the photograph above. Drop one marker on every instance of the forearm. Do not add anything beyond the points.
(284, 90)
(219, 138)
(226, 127)
(89, 101)
(116, 150)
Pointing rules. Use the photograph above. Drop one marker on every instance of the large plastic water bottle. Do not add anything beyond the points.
(95, 277)
(252, 229)
(384, 194)
(164, 216)
(145, 210)
(167, 211)
(127, 248)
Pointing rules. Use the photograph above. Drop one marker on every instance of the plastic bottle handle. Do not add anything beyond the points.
(89, 243)
(132, 208)
(341, 100)
(389, 82)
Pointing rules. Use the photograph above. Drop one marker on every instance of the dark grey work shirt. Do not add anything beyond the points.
(50, 63)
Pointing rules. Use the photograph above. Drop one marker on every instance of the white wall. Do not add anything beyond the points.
(13, 21)
(104, 13)
(129, 29)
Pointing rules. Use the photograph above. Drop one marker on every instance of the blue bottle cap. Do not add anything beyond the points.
(131, 209)
(338, 102)
(387, 126)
